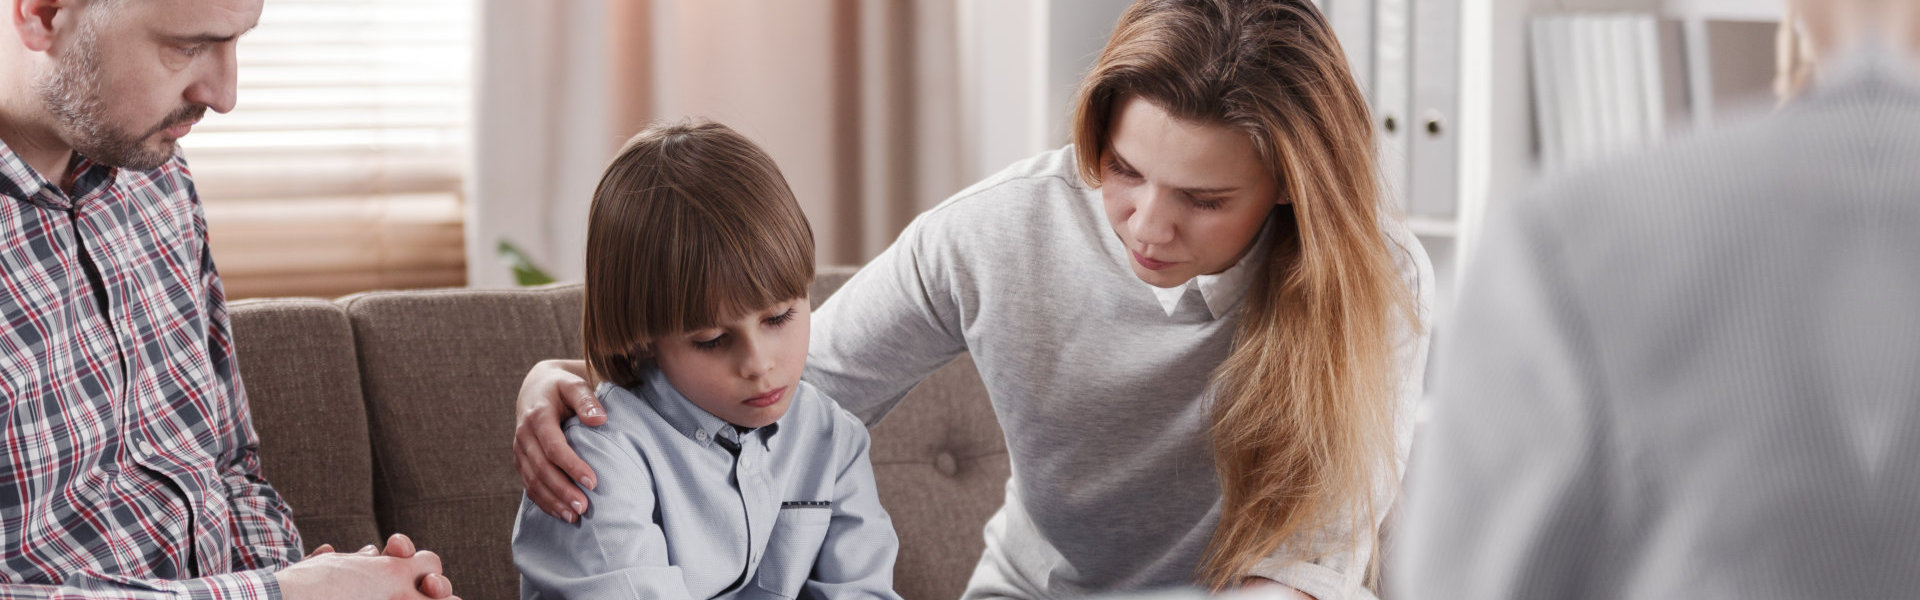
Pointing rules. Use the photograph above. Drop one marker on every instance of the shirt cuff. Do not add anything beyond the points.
(1313, 580)
(258, 584)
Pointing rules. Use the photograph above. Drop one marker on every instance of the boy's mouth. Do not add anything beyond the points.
(767, 399)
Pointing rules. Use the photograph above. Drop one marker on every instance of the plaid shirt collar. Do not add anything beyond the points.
(21, 182)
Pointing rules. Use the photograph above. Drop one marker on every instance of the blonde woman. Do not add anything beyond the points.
(1199, 328)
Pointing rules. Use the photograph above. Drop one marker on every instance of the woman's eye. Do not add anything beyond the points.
(782, 318)
(1122, 172)
(1208, 204)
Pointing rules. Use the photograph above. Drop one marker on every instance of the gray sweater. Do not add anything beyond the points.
(1102, 394)
(1692, 374)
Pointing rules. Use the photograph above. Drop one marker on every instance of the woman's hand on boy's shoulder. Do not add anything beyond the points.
(553, 391)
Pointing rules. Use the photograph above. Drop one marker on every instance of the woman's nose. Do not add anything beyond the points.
(1151, 224)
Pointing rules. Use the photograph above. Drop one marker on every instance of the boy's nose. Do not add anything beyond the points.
(756, 362)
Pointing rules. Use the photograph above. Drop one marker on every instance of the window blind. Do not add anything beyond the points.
(340, 168)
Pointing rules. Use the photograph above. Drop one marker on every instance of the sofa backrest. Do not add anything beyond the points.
(437, 374)
(298, 366)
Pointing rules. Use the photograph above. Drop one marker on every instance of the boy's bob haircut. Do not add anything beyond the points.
(691, 224)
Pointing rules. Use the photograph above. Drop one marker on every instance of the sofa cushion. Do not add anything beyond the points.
(303, 385)
(440, 372)
(940, 462)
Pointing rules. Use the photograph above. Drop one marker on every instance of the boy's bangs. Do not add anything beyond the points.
(745, 277)
(727, 267)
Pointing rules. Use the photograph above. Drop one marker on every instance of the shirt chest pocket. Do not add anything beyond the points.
(792, 549)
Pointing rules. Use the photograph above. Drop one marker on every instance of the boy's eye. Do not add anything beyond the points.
(710, 344)
(781, 319)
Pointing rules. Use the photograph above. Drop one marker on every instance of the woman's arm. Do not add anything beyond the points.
(893, 323)
(553, 391)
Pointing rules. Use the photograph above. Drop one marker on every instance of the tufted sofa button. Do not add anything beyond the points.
(946, 464)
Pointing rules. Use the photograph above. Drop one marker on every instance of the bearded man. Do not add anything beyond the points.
(127, 455)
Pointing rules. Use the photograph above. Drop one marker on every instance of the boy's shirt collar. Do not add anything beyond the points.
(692, 421)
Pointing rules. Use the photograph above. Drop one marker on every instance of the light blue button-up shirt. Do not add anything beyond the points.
(678, 515)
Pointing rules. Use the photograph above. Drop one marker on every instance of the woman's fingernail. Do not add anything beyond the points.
(566, 515)
(587, 481)
(593, 410)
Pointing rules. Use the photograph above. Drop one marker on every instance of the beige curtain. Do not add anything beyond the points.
(853, 98)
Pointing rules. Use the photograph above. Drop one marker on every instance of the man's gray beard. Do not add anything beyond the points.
(72, 93)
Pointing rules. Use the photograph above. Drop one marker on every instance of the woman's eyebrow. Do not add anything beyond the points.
(1121, 161)
(1209, 191)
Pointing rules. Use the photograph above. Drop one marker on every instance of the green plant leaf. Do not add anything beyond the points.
(524, 271)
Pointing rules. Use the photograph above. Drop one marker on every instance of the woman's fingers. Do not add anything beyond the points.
(579, 397)
(553, 444)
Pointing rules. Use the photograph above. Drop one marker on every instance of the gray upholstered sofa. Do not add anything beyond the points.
(393, 412)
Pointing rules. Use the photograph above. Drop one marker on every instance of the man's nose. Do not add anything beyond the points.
(216, 86)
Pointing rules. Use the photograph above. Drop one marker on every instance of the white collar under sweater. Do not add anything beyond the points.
(1222, 290)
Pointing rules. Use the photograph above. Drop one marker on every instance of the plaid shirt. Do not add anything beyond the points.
(128, 465)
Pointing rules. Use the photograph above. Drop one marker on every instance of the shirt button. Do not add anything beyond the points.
(146, 450)
(700, 435)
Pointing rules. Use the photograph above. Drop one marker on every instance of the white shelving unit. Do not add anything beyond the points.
(1758, 11)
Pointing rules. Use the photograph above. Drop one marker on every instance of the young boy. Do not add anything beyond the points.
(721, 474)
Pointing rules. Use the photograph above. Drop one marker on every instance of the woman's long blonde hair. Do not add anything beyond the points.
(1303, 417)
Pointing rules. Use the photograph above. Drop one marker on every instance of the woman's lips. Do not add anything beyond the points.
(1150, 264)
(767, 399)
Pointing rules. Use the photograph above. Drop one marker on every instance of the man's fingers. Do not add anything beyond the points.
(320, 549)
(426, 561)
(369, 550)
(435, 585)
(399, 546)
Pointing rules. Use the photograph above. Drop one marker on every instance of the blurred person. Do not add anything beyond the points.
(1696, 373)
(128, 464)
(1199, 325)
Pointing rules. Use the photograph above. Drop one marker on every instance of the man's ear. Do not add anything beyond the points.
(33, 19)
